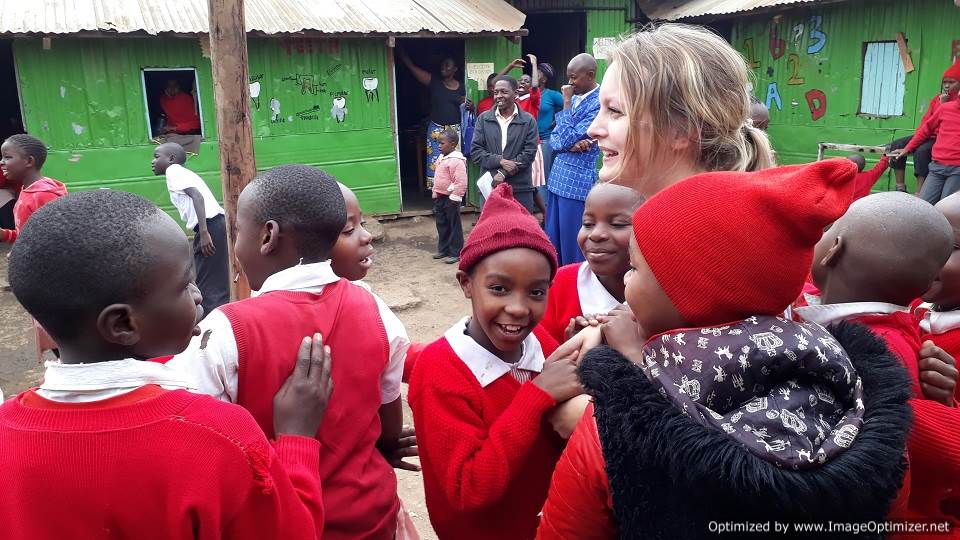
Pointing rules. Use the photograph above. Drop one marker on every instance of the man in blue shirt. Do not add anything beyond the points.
(575, 158)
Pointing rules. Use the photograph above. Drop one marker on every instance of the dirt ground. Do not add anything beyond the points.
(423, 292)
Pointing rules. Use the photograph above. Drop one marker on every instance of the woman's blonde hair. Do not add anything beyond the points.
(681, 79)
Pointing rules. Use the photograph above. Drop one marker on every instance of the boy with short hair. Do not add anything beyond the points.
(449, 187)
(201, 212)
(289, 218)
(869, 266)
(117, 440)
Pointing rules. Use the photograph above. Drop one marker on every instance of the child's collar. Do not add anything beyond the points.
(826, 314)
(486, 366)
(92, 382)
(594, 297)
(311, 277)
(938, 322)
(456, 154)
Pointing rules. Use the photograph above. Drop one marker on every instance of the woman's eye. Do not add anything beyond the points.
(347, 232)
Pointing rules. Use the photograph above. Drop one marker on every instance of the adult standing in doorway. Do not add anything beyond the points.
(505, 142)
(447, 93)
(574, 169)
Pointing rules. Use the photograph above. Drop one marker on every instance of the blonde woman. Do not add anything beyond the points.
(674, 105)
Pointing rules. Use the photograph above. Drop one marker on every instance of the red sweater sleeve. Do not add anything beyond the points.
(578, 505)
(864, 181)
(287, 498)
(935, 439)
(926, 130)
(475, 463)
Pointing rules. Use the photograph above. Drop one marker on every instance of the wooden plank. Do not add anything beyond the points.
(904, 53)
(231, 92)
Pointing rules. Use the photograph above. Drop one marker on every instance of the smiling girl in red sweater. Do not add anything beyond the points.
(479, 394)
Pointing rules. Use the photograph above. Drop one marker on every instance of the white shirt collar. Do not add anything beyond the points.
(594, 297)
(938, 322)
(486, 366)
(516, 111)
(303, 278)
(581, 97)
(92, 382)
(826, 314)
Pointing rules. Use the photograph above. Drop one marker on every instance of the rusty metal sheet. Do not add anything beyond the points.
(266, 16)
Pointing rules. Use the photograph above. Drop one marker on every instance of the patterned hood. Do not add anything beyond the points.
(786, 391)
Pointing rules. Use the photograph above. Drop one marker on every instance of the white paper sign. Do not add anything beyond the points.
(485, 185)
(479, 72)
(603, 46)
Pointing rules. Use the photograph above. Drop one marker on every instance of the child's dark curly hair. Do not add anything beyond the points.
(30, 146)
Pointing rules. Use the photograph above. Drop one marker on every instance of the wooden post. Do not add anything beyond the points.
(231, 92)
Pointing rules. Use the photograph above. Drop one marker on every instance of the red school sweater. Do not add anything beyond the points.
(359, 486)
(31, 199)
(864, 181)
(563, 302)
(487, 453)
(933, 445)
(944, 124)
(950, 342)
(148, 464)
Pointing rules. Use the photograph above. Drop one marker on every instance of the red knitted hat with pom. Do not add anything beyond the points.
(505, 224)
(952, 72)
(728, 245)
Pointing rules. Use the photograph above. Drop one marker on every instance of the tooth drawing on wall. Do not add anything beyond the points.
(339, 110)
(370, 85)
(255, 94)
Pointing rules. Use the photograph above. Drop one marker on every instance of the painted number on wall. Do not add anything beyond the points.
(751, 54)
(777, 45)
(795, 78)
(818, 40)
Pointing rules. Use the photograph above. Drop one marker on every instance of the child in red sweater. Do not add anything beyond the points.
(23, 156)
(869, 267)
(865, 181)
(118, 441)
(712, 408)
(289, 219)
(595, 286)
(480, 393)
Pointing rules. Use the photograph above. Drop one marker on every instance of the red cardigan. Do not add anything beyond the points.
(944, 124)
(864, 181)
(31, 199)
(360, 487)
(487, 453)
(149, 464)
(563, 302)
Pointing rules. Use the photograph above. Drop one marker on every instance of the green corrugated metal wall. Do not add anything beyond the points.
(605, 23)
(84, 98)
(801, 72)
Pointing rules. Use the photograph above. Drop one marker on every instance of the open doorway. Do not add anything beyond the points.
(11, 115)
(556, 38)
(413, 113)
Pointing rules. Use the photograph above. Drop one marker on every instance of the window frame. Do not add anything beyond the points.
(146, 99)
(863, 68)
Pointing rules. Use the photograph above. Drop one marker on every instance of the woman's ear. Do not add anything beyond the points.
(466, 284)
(269, 237)
(117, 324)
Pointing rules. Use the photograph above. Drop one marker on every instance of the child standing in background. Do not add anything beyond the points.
(480, 393)
(22, 158)
(449, 187)
(201, 212)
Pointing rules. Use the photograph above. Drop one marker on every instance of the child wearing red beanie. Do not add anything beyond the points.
(730, 413)
(594, 286)
(479, 394)
(869, 267)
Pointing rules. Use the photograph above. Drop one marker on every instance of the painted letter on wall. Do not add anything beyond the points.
(817, 101)
(773, 96)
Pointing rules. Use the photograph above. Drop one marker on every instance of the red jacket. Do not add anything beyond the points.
(563, 302)
(531, 104)
(486, 452)
(31, 199)
(181, 112)
(944, 124)
(149, 464)
(865, 180)
(360, 487)
(485, 104)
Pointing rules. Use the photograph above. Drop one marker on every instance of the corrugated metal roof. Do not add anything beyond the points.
(267, 16)
(676, 9)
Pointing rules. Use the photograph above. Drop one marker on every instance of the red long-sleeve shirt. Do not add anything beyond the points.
(31, 199)
(152, 463)
(944, 124)
(181, 112)
(865, 180)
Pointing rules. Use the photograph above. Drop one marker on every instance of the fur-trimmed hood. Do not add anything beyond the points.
(672, 475)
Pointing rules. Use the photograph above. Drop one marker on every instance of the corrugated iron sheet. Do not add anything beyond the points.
(267, 16)
(673, 10)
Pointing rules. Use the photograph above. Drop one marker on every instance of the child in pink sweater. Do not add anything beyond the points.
(449, 187)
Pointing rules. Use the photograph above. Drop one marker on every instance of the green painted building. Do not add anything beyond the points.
(86, 78)
(837, 71)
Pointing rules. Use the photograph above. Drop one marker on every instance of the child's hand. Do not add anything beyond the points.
(518, 64)
(567, 415)
(559, 377)
(577, 346)
(579, 323)
(938, 374)
(533, 58)
(621, 331)
(300, 403)
(895, 154)
(406, 447)
(207, 246)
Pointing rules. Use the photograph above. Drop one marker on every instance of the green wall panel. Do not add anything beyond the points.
(601, 24)
(84, 98)
(812, 58)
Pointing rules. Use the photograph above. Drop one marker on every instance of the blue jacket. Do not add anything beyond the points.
(574, 173)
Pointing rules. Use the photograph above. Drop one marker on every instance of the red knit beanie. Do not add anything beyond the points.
(952, 72)
(505, 224)
(728, 245)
